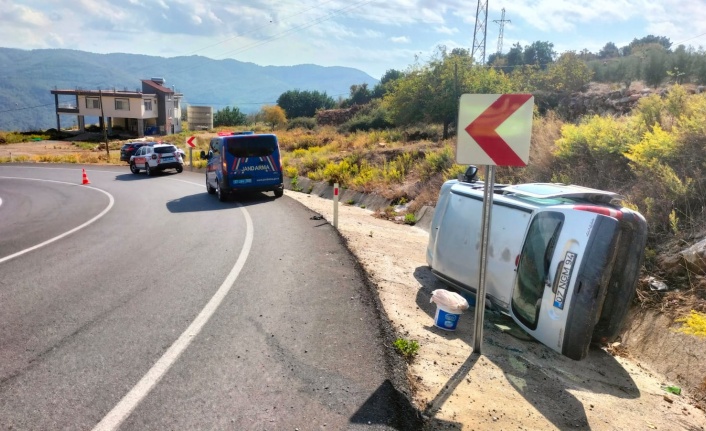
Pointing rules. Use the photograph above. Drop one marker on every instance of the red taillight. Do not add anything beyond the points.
(610, 212)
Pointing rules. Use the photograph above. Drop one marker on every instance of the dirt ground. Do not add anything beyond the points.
(514, 383)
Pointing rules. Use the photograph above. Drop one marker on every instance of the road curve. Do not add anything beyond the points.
(295, 342)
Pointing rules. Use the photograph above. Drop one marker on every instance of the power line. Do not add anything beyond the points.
(26, 107)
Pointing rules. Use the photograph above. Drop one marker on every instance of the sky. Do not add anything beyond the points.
(371, 35)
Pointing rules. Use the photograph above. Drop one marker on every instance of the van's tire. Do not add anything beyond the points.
(221, 194)
(279, 193)
(179, 169)
(209, 189)
(134, 169)
(148, 170)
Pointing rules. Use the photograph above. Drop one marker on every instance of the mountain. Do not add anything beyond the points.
(27, 78)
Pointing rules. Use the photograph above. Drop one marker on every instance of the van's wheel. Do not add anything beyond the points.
(179, 169)
(221, 194)
(148, 170)
(209, 189)
(279, 193)
(133, 168)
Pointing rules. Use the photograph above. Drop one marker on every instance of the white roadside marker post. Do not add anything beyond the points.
(335, 205)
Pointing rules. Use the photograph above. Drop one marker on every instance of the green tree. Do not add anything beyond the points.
(541, 53)
(516, 56)
(568, 74)
(430, 93)
(655, 69)
(273, 115)
(386, 82)
(229, 117)
(360, 95)
(402, 101)
(664, 42)
(304, 103)
(610, 50)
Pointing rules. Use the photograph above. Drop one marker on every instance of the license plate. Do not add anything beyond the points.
(243, 181)
(168, 159)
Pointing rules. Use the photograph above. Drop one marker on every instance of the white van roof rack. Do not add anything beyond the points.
(558, 190)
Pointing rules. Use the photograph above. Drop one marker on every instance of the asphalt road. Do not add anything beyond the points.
(140, 302)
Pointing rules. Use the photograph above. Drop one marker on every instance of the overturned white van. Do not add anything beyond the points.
(563, 260)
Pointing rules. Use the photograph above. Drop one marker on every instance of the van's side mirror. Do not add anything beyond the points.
(203, 155)
(470, 175)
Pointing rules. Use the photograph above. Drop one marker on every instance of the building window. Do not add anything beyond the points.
(148, 105)
(176, 104)
(122, 104)
(170, 112)
(93, 103)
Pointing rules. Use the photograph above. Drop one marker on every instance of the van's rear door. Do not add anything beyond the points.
(253, 160)
(561, 277)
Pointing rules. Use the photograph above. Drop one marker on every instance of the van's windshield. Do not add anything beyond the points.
(533, 267)
(251, 146)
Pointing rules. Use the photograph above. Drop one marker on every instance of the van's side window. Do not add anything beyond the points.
(214, 146)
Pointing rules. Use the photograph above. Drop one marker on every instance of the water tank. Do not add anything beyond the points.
(159, 81)
(199, 117)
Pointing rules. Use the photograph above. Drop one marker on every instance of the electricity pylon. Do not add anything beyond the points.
(480, 31)
(502, 22)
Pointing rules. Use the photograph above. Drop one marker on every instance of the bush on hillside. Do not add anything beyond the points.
(368, 118)
(308, 123)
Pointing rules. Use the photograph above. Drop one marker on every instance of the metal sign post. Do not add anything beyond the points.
(485, 231)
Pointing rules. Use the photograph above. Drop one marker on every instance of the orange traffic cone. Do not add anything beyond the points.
(85, 178)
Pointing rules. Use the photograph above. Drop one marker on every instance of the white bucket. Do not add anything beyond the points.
(446, 318)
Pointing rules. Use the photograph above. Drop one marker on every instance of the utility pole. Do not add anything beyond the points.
(502, 22)
(105, 126)
(480, 31)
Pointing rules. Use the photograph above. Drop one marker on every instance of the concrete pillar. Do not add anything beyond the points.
(81, 123)
(140, 128)
(56, 110)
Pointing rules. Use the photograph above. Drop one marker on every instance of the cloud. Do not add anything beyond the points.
(400, 39)
(446, 30)
(23, 15)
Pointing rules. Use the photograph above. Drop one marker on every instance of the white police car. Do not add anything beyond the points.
(155, 158)
(563, 260)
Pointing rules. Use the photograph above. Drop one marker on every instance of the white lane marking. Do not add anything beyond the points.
(132, 399)
(77, 228)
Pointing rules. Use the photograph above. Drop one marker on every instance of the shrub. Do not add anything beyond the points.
(410, 219)
(291, 171)
(308, 123)
(408, 349)
(694, 324)
(436, 162)
(365, 120)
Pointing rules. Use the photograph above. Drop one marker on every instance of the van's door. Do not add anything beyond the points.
(253, 161)
(214, 163)
(561, 278)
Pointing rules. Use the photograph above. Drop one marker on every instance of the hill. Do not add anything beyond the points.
(28, 77)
